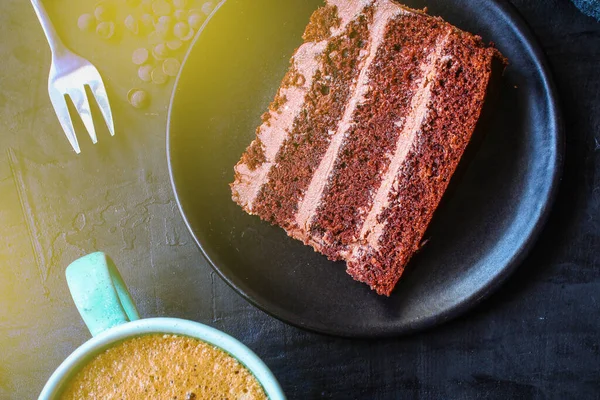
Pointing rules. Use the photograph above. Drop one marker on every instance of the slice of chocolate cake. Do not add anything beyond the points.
(365, 132)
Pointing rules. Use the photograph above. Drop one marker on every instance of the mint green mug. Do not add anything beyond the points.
(111, 316)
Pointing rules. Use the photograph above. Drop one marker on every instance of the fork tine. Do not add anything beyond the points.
(102, 99)
(82, 105)
(62, 112)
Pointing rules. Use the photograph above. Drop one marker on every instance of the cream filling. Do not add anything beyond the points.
(273, 133)
(372, 229)
(384, 12)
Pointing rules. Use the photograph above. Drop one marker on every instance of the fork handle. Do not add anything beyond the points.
(56, 45)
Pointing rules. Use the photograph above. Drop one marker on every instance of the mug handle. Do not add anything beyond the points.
(99, 293)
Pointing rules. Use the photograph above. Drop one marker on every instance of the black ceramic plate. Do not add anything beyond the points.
(480, 233)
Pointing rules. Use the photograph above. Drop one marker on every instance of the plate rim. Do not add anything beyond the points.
(532, 44)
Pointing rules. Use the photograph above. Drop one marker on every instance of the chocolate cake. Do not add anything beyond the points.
(368, 126)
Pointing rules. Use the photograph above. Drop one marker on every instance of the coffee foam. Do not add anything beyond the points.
(165, 367)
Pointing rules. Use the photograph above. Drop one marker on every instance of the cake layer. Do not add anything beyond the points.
(395, 227)
(252, 172)
(385, 121)
(312, 132)
(313, 196)
(364, 134)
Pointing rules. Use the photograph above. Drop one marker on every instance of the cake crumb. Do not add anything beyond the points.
(321, 23)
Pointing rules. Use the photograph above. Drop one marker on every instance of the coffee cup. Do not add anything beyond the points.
(109, 312)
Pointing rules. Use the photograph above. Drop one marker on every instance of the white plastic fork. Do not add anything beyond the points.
(69, 74)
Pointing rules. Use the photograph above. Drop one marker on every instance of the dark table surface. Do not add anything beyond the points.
(537, 337)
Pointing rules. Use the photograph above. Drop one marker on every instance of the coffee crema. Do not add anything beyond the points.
(160, 366)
